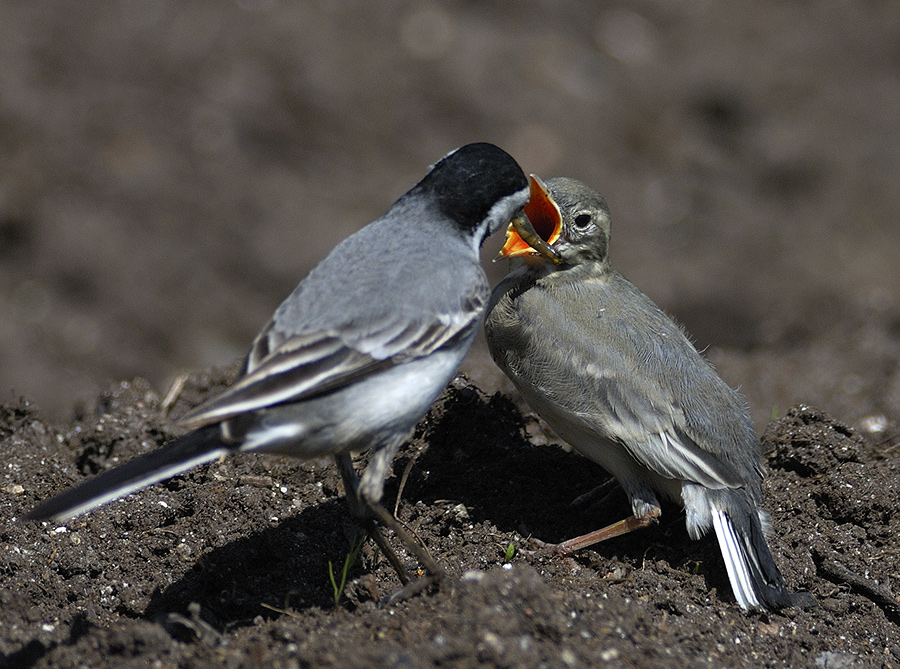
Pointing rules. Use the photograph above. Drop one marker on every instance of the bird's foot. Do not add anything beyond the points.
(412, 589)
(615, 530)
(388, 552)
(545, 547)
(435, 573)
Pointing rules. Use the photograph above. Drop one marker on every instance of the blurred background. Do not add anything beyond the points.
(170, 170)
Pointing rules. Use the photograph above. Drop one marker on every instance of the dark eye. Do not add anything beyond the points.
(582, 220)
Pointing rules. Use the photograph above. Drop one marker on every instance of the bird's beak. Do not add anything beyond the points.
(537, 228)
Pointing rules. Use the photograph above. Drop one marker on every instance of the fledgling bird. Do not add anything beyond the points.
(357, 354)
(620, 382)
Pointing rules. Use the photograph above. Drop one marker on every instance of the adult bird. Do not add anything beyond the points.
(357, 354)
(619, 381)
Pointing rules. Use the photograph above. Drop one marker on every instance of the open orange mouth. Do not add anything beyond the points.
(546, 222)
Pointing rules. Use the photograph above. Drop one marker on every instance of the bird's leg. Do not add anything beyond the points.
(615, 530)
(364, 499)
(369, 492)
(435, 573)
(361, 512)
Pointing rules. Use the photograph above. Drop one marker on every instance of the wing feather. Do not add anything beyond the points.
(633, 368)
(288, 368)
(653, 433)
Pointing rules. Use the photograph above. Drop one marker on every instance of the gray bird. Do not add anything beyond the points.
(357, 354)
(617, 379)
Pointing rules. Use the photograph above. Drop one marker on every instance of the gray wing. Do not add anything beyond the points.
(639, 380)
(310, 364)
(361, 311)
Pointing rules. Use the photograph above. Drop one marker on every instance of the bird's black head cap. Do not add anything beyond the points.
(467, 183)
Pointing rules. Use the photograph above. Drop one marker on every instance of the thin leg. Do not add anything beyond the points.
(435, 575)
(370, 490)
(361, 512)
(363, 496)
(615, 530)
(351, 486)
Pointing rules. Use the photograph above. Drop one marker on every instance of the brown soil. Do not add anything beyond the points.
(230, 563)
(170, 170)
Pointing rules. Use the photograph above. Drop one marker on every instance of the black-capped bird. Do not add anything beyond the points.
(356, 355)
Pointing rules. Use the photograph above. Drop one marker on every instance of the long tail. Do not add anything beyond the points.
(191, 450)
(755, 579)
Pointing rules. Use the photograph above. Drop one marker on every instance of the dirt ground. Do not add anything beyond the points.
(170, 171)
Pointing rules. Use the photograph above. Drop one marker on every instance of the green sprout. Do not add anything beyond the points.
(349, 561)
(510, 551)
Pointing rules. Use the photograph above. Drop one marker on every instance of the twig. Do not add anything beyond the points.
(403, 479)
(875, 592)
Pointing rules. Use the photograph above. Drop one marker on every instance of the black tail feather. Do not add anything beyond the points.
(191, 450)
(767, 580)
(755, 578)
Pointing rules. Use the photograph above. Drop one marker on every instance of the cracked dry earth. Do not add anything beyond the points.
(228, 565)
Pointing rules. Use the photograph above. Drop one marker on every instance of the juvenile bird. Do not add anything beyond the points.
(356, 355)
(617, 379)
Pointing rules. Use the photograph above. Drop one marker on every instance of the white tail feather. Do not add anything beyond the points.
(735, 557)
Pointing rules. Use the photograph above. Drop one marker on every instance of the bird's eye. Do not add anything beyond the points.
(582, 220)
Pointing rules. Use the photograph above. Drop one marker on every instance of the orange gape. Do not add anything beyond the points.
(546, 222)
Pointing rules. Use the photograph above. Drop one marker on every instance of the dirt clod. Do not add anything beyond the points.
(229, 562)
